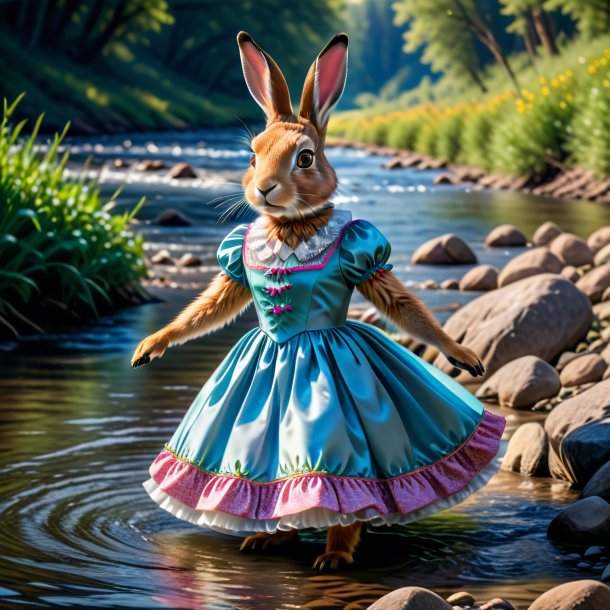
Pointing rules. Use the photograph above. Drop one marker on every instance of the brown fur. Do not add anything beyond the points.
(216, 306)
(387, 293)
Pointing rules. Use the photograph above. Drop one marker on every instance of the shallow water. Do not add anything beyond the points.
(80, 428)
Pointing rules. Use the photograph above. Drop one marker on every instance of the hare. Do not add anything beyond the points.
(290, 183)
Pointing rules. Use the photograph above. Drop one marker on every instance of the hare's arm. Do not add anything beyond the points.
(217, 305)
(387, 293)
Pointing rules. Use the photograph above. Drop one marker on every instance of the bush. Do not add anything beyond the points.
(402, 132)
(476, 140)
(590, 144)
(61, 250)
(426, 138)
(448, 135)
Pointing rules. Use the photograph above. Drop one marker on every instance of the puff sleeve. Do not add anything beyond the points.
(363, 250)
(229, 255)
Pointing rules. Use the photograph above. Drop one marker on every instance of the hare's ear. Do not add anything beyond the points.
(264, 79)
(325, 82)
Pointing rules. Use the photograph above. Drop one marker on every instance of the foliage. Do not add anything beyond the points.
(559, 119)
(592, 16)
(60, 247)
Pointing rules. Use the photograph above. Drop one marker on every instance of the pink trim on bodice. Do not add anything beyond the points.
(300, 267)
(238, 496)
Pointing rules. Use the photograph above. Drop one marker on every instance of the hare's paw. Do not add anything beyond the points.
(332, 560)
(464, 358)
(263, 540)
(152, 347)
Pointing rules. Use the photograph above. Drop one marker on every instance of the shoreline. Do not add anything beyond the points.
(564, 183)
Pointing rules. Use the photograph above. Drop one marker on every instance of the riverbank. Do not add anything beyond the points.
(562, 183)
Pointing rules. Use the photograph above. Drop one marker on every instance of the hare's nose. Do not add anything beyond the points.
(265, 193)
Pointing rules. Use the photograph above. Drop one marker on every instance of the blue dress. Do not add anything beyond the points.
(314, 420)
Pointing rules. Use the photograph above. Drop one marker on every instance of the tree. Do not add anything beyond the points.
(447, 48)
(530, 18)
(592, 17)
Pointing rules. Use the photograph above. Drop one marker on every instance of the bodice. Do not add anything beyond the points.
(311, 289)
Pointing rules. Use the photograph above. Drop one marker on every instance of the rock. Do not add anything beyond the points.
(461, 599)
(444, 250)
(606, 574)
(586, 369)
(443, 179)
(570, 273)
(532, 262)
(594, 551)
(411, 598)
(599, 484)
(527, 450)
(602, 310)
(585, 522)
(521, 383)
(189, 260)
(483, 277)
(163, 257)
(546, 233)
(571, 250)
(602, 256)
(576, 595)
(565, 358)
(150, 165)
(172, 218)
(579, 434)
(598, 239)
(540, 316)
(181, 170)
(505, 236)
(119, 163)
(595, 283)
(497, 603)
(450, 284)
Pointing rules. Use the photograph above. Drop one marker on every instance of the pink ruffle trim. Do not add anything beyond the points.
(241, 497)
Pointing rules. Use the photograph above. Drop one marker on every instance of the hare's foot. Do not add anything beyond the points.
(341, 543)
(263, 540)
(332, 560)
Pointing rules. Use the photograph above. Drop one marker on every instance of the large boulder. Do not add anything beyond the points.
(595, 283)
(571, 250)
(598, 239)
(541, 316)
(448, 249)
(585, 522)
(546, 233)
(520, 384)
(481, 278)
(505, 236)
(576, 595)
(532, 262)
(589, 368)
(527, 450)
(579, 434)
(411, 598)
(599, 484)
(172, 218)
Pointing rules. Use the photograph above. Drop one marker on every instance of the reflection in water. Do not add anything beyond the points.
(80, 428)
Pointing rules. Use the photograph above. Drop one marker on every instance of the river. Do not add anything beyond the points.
(80, 426)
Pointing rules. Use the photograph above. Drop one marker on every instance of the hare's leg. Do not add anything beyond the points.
(341, 543)
(263, 539)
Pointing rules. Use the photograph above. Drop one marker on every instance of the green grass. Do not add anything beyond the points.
(63, 254)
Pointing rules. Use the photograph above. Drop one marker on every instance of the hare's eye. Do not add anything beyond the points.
(253, 160)
(305, 159)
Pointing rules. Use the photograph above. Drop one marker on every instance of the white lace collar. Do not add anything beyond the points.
(274, 253)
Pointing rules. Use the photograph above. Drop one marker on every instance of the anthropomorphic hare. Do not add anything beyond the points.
(303, 248)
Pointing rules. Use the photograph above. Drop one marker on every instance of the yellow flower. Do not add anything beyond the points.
(554, 83)
(546, 91)
(591, 69)
(542, 80)
(563, 105)
(606, 83)
(569, 97)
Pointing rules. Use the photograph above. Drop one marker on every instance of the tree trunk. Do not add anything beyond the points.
(529, 36)
(485, 35)
(545, 33)
(476, 78)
